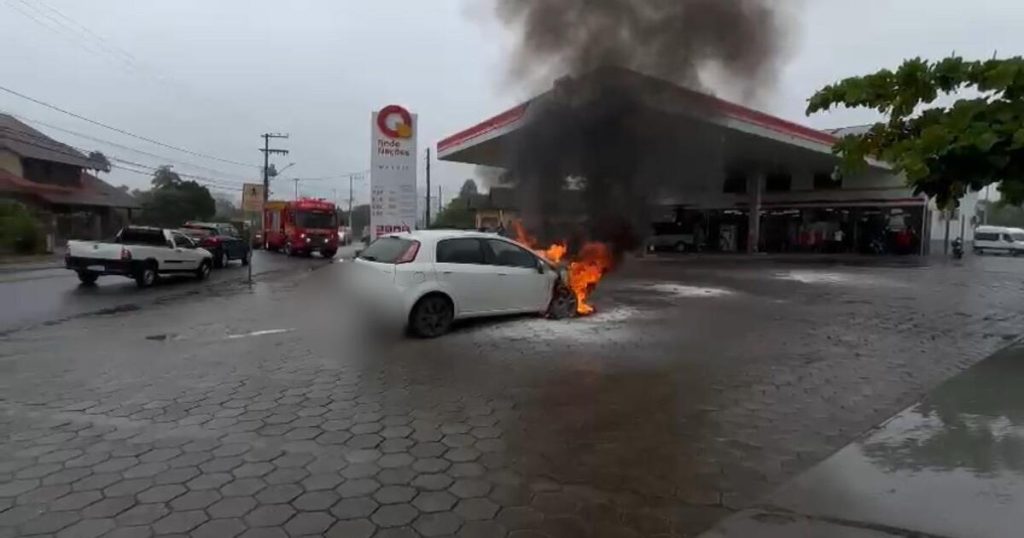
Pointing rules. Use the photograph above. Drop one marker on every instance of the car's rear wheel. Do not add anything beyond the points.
(87, 277)
(222, 260)
(204, 270)
(146, 276)
(563, 303)
(432, 316)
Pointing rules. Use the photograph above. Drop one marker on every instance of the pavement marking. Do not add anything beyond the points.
(259, 333)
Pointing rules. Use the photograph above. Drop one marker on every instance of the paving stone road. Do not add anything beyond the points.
(697, 387)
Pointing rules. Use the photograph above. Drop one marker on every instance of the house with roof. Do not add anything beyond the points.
(55, 182)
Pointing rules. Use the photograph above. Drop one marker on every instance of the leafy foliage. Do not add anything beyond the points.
(456, 214)
(19, 231)
(944, 151)
(171, 202)
(100, 161)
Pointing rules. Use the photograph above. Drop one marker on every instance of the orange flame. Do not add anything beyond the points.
(586, 268)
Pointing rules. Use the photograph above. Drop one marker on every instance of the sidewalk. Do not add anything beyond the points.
(950, 466)
(14, 264)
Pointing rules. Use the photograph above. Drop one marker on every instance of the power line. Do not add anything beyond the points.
(85, 31)
(127, 148)
(121, 131)
(151, 169)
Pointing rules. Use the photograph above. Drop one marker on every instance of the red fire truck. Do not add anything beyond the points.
(301, 227)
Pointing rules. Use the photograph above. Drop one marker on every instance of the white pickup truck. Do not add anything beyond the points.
(140, 253)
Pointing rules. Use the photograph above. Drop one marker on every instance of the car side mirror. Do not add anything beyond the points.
(540, 267)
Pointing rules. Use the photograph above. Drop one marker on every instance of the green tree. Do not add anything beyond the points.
(172, 201)
(944, 151)
(468, 189)
(457, 214)
(100, 161)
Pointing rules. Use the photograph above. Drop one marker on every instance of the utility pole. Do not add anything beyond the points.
(296, 189)
(267, 152)
(427, 219)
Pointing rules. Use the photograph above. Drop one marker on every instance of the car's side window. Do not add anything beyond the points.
(461, 251)
(181, 241)
(506, 254)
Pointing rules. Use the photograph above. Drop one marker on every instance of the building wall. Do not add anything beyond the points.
(962, 219)
(11, 162)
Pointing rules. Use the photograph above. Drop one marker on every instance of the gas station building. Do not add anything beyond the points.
(741, 180)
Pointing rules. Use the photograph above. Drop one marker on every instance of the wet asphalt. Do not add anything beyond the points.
(699, 386)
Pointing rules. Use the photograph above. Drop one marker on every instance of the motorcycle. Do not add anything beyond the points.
(958, 249)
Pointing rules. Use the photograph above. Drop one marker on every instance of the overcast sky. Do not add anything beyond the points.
(211, 75)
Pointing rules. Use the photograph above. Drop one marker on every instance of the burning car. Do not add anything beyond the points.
(431, 278)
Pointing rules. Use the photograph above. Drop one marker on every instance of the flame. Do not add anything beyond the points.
(586, 268)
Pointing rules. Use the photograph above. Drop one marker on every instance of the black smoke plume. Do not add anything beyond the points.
(594, 132)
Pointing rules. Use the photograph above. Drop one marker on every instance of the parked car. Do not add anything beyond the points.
(222, 239)
(670, 236)
(430, 278)
(141, 253)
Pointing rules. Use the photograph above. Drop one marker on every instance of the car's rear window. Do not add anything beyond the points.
(136, 236)
(385, 250)
(986, 236)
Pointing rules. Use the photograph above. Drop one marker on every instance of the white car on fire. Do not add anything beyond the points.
(431, 278)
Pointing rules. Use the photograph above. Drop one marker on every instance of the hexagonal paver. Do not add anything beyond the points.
(179, 522)
(190, 459)
(159, 454)
(394, 494)
(252, 470)
(360, 470)
(369, 440)
(364, 455)
(354, 508)
(431, 465)
(520, 517)
(49, 522)
(128, 487)
(459, 455)
(394, 515)
(231, 507)
(439, 524)
(271, 515)
(483, 529)
(76, 500)
(428, 450)
(195, 500)
(280, 493)
(219, 528)
(476, 509)
(115, 464)
(309, 524)
(466, 470)
(395, 445)
(434, 501)
(221, 465)
(400, 459)
(288, 475)
(142, 514)
(96, 481)
(108, 507)
(209, 481)
(87, 528)
(176, 476)
(322, 481)
(397, 532)
(146, 470)
(470, 487)
(242, 486)
(130, 532)
(354, 528)
(161, 494)
(44, 494)
(358, 487)
(394, 432)
(315, 500)
(432, 482)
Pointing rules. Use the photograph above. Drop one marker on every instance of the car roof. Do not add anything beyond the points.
(438, 235)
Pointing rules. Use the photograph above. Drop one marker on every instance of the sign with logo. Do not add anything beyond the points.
(393, 171)
(252, 197)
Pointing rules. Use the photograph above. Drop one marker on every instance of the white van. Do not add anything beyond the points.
(999, 239)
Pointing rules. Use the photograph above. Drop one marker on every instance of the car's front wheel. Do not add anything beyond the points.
(204, 270)
(563, 303)
(87, 277)
(223, 260)
(432, 316)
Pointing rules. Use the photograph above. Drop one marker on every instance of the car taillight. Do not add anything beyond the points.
(211, 242)
(410, 253)
(126, 254)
